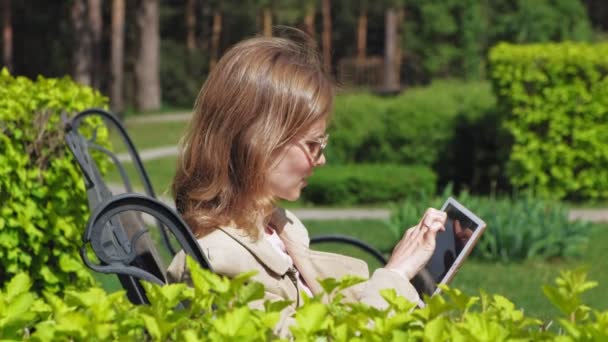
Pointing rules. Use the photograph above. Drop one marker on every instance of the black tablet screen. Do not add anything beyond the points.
(449, 244)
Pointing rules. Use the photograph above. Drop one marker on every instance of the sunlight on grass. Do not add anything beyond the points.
(150, 135)
(160, 171)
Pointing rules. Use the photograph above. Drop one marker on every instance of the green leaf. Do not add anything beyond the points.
(250, 292)
(17, 285)
(152, 326)
(310, 318)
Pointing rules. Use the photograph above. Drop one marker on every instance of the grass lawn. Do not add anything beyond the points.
(520, 282)
(160, 171)
(149, 135)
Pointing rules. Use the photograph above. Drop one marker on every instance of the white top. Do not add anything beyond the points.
(279, 246)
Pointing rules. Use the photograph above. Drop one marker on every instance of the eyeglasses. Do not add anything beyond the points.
(316, 147)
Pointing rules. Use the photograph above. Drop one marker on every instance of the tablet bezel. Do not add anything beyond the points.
(468, 247)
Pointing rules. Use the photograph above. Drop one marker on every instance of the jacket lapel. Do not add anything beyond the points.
(313, 265)
(261, 249)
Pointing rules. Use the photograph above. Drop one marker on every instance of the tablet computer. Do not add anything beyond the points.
(462, 231)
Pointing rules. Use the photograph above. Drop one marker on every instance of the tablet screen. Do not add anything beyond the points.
(452, 246)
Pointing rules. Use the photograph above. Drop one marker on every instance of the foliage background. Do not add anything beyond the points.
(42, 196)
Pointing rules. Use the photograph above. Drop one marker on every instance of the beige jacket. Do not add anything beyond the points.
(230, 253)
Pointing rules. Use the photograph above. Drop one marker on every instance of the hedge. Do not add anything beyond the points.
(451, 126)
(368, 183)
(43, 203)
(217, 310)
(555, 98)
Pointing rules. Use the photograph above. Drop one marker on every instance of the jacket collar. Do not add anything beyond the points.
(261, 248)
(294, 235)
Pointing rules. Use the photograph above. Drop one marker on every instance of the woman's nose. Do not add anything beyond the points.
(321, 160)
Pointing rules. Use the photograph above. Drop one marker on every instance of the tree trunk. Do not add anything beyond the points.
(7, 35)
(82, 43)
(190, 25)
(398, 42)
(147, 80)
(309, 19)
(326, 38)
(204, 41)
(96, 24)
(216, 33)
(117, 56)
(267, 14)
(362, 35)
(391, 75)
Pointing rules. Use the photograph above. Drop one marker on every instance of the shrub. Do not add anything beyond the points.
(519, 228)
(555, 98)
(43, 204)
(218, 311)
(368, 183)
(450, 126)
(357, 129)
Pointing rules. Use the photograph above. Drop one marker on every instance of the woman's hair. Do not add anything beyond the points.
(260, 96)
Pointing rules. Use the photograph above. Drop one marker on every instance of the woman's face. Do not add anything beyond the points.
(295, 164)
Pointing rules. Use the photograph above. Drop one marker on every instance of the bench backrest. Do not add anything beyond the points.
(117, 234)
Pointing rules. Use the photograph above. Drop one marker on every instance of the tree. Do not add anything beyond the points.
(117, 56)
(391, 71)
(216, 34)
(7, 35)
(267, 20)
(147, 80)
(362, 32)
(190, 17)
(96, 27)
(326, 35)
(309, 18)
(81, 57)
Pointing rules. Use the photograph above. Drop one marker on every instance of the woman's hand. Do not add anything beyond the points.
(417, 245)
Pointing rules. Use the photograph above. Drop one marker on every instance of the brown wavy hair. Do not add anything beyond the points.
(260, 96)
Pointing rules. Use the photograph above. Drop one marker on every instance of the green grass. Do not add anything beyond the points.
(164, 109)
(160, 171)
(520, 282)
(150, 135)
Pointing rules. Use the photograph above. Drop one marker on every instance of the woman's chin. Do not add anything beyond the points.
(291, 197)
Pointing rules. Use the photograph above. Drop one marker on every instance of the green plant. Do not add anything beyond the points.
(367, 183)
(218, 309)
(42, 196)
(555, 98)
(519, 228)
(451, 126)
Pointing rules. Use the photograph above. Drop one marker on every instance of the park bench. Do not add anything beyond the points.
(116, 233)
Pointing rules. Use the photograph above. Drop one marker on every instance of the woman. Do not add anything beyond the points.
(257, 133)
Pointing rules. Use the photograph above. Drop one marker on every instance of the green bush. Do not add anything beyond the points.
(43, 204)
(368, 183)
(518, 229)
(555, 97)
(218, 311)
(450, 126)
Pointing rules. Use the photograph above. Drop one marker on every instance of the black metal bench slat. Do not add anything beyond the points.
(117, 236)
